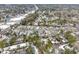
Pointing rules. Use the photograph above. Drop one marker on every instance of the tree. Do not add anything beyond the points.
(12, 41)
(29, 50)
(24, 38)
(68, 51)
(71, 39)
(2, 44)
(40, 45)
(46, 48)
(29, 19)
(58, 38)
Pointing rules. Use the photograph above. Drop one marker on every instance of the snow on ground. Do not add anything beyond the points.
(22, 45)
(11, 23)
(77, 33)
(1, 23)
(5, 52)
(35, 49)
(15, 46)
(56, 51)
(62, 46)
(17, 19)
(4, 26)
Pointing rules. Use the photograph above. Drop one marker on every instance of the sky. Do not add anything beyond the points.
(39, 2)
